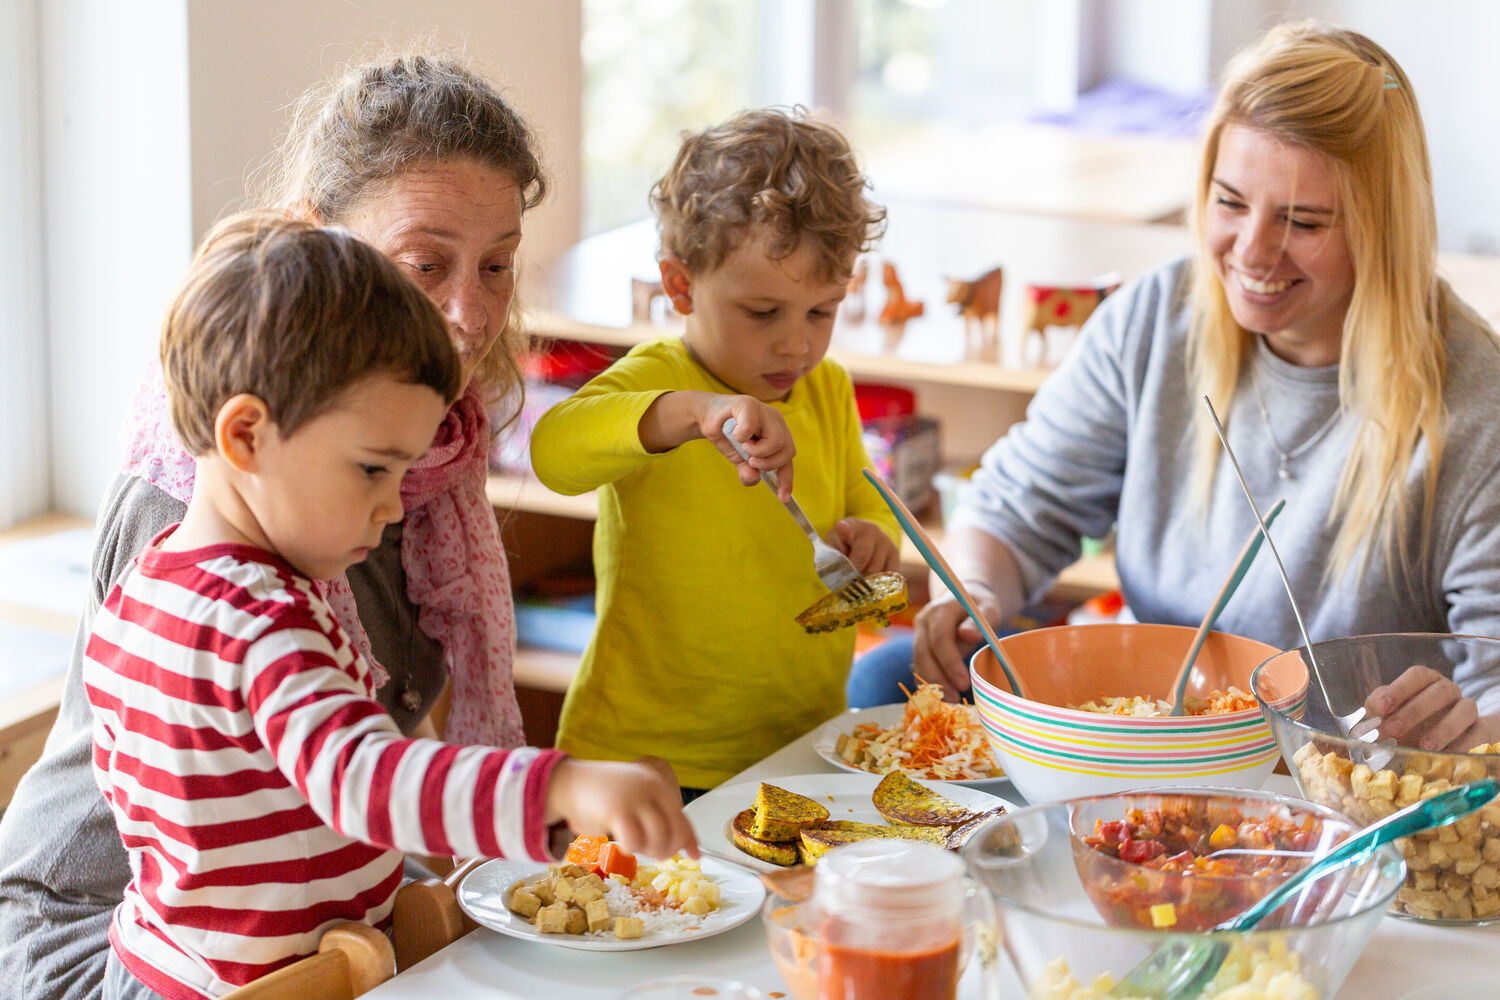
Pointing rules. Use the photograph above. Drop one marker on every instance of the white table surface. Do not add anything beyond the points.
(1402, 957)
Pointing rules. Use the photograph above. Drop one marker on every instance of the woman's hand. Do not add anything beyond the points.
(866, 545)
(1425, 709)
(944, 634)
(638, 805)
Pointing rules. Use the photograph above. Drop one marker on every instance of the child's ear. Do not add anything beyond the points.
(677, 283)
(241, 430)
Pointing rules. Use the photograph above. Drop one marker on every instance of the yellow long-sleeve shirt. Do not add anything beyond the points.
(696, 657)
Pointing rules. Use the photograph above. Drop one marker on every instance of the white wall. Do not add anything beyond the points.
(177, 98)
(1448, 49)
(117, 234)
(247, 61)
(23, 440)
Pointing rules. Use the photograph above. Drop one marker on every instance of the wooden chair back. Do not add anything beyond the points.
(352, 959)
(427, 916)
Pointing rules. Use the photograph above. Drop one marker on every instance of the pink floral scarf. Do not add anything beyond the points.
(456, 573)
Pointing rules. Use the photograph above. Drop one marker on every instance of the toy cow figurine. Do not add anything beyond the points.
(898, 308)
(978, 303)
(1048, 306)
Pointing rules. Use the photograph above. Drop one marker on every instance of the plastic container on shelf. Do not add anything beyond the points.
(553, 373)
(904, 448)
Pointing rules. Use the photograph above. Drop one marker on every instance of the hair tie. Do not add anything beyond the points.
(1390, 83)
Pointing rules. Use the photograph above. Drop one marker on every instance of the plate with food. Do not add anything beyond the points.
(925, 737)
(603, 899)
(766, 825)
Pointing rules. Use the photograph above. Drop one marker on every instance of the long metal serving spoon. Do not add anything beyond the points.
(1241, 567)
(1347, 721)
(939, 565)
(1179, 969)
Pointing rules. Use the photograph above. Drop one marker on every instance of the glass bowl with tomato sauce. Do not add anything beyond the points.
(1189, 859)
(1057, 939)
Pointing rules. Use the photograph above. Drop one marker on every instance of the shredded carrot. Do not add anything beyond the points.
(934, 739)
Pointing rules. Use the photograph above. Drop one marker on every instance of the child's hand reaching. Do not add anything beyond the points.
(761, 431)
(867, 547)
(638, 805)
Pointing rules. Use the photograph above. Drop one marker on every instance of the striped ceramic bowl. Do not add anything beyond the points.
(1051, 751)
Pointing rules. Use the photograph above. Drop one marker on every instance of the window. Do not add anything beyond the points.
(651, 71)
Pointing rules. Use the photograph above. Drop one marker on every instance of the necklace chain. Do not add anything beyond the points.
(1284, 469)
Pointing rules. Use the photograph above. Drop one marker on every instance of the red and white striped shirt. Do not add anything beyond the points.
(261, 792)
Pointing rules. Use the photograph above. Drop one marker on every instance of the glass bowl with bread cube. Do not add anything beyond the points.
(1453, 873)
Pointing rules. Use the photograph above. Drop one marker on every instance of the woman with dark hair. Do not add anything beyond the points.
(423, 159)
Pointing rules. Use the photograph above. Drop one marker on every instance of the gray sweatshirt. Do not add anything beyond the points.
(1108, 438)
(63, 868)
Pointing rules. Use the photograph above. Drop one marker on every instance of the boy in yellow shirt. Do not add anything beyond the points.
(697, 657)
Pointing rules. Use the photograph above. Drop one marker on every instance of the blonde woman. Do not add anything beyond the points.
(1352, 380)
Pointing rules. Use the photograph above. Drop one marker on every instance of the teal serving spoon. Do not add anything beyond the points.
(1180, 969)
(939, 565)
(1241, 567)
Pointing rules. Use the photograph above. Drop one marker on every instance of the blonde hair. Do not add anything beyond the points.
(384, 116)
(774, 167)
(1337, 93)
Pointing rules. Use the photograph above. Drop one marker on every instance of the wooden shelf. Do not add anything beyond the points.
(970, 373)
(522, 493)
(544, 669)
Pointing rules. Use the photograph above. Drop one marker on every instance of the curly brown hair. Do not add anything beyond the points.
(776, 167)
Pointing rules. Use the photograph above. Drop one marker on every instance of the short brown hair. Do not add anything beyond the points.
(772, 166)
(293, 313)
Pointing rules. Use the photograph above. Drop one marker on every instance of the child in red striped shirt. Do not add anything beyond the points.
(261, 792)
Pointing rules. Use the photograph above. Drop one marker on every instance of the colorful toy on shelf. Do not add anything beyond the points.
(643, 293)
(898, 308)
(978, 303)
(1048, 306)
(853, 307)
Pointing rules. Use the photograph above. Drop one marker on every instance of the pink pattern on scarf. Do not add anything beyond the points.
(456, 573)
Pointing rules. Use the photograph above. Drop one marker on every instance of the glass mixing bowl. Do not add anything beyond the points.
(1058, 944)
(1453, 873)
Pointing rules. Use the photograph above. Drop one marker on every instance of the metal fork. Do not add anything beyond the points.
(833, 567)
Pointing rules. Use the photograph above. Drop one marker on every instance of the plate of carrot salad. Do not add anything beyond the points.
(926, 737)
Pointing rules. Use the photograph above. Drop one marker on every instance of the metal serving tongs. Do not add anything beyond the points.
(833, 567)
(1352, 725)
(1179, 969)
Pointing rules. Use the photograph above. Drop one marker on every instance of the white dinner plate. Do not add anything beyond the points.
(483, 892)
(826, 739)
(847, 796)
(1483, 986)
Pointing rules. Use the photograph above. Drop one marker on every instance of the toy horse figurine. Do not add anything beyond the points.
(1048, 306)
(898, 308)
(979, 304)
(853, 307)
(642, 294)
